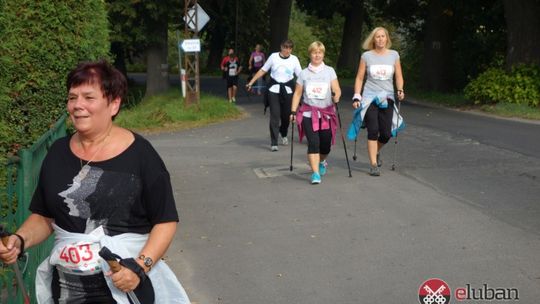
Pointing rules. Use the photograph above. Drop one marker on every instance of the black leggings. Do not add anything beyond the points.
(318, 142)
(379, 122)
(280, 110)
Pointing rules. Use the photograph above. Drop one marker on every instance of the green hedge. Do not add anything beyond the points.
(41, 41)
(520, 86)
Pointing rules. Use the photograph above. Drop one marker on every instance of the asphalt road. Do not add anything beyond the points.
(463, 205)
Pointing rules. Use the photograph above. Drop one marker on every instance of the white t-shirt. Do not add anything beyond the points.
(282, 70)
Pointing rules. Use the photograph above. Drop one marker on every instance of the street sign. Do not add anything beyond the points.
(191, 45)
(202, 17)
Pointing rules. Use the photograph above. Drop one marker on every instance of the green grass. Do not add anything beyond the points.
(512, 110)
(458, 100)
(167, 112)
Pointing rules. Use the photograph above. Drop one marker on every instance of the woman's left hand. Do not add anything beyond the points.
(400, 94)
(125, 279)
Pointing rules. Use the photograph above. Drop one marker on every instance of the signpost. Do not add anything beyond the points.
(195, 19)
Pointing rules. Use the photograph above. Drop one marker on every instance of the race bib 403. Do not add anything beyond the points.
(80, 257)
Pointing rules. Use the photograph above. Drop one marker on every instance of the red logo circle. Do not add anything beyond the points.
(434, 291)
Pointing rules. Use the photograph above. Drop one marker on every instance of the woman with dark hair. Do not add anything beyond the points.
(103, 186)
(283, 66)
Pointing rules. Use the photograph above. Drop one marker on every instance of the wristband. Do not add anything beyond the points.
(357, 97)
(400, 91)
(293, 112)
(21, 253)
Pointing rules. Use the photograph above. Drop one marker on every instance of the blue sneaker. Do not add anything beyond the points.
(322, 167)
(315, 178)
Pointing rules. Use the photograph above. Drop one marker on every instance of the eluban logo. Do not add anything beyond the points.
(486, 293)
(434, 291)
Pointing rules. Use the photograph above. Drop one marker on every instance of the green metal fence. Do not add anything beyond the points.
(22, 178)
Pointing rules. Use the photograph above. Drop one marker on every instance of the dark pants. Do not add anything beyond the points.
(379, 122)
(318, 142)
(280, 110)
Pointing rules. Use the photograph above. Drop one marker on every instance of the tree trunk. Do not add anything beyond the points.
(523, 32)
(352, 37)
(438, 54)
(217, 32)
(157, 68)
(280, 12)
(119, 53)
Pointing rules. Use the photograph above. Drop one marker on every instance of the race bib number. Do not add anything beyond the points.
(80, 257)
(257, 58)
(381, 71)
(232, 70)
(316, 90)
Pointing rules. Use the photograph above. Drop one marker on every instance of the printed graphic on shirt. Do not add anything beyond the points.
(257, 58)
(381, 71)
(282, 74)
(101, 197)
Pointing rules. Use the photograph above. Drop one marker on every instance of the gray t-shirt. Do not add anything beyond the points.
(380, 71)
(317, 86)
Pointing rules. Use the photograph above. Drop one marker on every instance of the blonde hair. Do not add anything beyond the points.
(316, 45)
(369, 43)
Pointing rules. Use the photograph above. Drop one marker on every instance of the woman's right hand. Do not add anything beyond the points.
(10, 249)
(292, 117)
(355, 104)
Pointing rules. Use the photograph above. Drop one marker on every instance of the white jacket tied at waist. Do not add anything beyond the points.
(125, 245)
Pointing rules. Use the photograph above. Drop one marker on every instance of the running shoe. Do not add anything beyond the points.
(274, 148)
(233, 99)
(322, 167)
(315, 178)
(379, 160)
(284, 141)
(374, 171)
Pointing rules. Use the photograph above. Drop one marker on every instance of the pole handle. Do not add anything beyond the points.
(115, 266)
(5, 240)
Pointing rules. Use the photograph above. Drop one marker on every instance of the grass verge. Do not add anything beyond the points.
(167, 112)
(458, 100)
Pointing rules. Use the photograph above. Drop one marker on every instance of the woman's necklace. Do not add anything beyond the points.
(101, 143)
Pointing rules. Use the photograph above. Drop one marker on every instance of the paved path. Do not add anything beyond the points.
(252, 232)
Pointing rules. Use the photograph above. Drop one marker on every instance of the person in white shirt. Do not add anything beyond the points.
(283, 67)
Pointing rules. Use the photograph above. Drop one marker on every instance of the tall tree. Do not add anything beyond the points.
(219, 13)
(523, 31)
(280, 12)
(234, 22)
(140, 27)
(438, 54)
(351, 37)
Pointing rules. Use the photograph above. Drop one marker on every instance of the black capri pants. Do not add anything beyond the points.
(318, 142)
(379, 122)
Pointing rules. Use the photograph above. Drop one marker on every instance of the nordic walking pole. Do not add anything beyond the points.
(20, 283)
(292, 141)
(396, 139)
(115, 266)
(343, 139)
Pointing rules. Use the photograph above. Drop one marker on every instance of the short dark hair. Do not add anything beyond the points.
(287, 43)
(112, 82)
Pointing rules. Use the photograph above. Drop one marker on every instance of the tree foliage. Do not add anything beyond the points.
(140, 28)
(41, 42)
